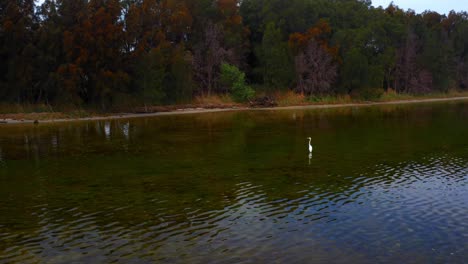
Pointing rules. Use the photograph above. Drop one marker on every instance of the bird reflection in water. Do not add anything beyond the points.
(310, 149)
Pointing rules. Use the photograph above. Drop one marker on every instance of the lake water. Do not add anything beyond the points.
(384, 184)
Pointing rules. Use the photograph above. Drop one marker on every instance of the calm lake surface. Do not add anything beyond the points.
(385, 184)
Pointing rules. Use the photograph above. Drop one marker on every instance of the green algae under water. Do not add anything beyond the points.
(384, 184)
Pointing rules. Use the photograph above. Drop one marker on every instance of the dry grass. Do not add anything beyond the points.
(289, 98)
(337, 99)
(205, 102)
(24, 108)
(391, 95)
(222, 99)
(40, 112)
(33, 116)
(450, 93)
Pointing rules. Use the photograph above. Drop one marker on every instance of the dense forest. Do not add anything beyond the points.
(108, 52)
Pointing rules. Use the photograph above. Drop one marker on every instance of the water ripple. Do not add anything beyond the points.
(415, 210)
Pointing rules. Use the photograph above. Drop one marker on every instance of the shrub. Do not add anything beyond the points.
(234, 80)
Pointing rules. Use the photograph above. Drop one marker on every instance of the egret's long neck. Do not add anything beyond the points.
(309, 140)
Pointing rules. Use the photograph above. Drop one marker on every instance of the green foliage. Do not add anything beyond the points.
(150, 74)
(355, 70)
(234, 80)
(276, 59)
(95, 52)
(179, 84)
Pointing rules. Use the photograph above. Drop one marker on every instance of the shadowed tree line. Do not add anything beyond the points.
(113, 52)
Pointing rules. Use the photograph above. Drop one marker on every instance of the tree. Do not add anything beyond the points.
(406, 63)
(70, 71)
(457, 27)
(355, 71)
(316, 70)
(276, 59)
(179, 84)
(50, 53)
(93, 46)
(150, 75)
(420, 83)
(17, 50)
(93, 52)
(208, 56)
(235, 34)
(315, 60)
(234, 80)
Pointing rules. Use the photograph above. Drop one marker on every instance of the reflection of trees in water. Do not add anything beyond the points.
(230, 129)
(71, 139)
(107, 130)
(1, 157)
(179, 172)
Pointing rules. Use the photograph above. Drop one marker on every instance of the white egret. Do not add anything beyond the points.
(310, 146)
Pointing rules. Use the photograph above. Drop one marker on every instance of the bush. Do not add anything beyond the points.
(234, 80)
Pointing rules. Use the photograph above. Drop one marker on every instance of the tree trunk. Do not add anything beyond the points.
(210, 77)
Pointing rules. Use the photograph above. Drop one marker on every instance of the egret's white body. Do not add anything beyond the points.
(310, 146)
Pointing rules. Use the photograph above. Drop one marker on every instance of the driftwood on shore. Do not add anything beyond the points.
(265, 101)
(172, 108)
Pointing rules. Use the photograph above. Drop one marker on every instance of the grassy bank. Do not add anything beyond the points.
(282, 99)
(290, 98)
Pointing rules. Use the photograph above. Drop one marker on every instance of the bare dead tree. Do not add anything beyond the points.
(316, 69)
(406, 64)
(421, 83)
(462, 73)
(409, 76)
(208, 56)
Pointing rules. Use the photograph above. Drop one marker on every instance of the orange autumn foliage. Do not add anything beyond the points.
(228, 7)
(319, 33)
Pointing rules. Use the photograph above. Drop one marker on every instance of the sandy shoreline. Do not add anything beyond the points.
(201, 110)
